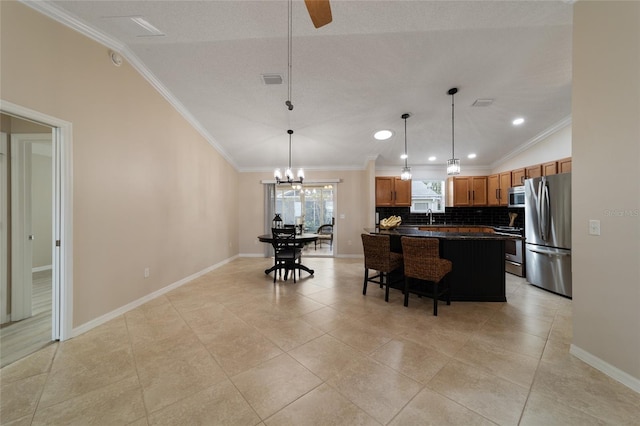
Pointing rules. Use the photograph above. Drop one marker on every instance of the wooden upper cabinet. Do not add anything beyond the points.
(403, 192)
(564, 165)
(466, 191)
(493, 190)
(550, 168)
(384, 191)
(517, 177)
(497, 189)
(505, 184)
(533, 171)
(479, 191)
(392, 192)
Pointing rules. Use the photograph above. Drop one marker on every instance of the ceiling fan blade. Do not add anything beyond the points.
(319, 11)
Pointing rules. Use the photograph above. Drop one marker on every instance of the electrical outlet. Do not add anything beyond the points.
(594, 227)
(146, 272)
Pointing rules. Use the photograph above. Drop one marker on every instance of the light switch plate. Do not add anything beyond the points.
(594, 227)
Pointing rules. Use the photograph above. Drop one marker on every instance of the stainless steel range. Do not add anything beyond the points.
(513, 250)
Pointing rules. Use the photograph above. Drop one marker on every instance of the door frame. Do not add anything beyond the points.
(62, 262)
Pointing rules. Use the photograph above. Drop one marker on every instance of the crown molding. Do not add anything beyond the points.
(54, 12)
(535, 140)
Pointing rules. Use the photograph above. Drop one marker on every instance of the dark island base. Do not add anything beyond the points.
(478, 273)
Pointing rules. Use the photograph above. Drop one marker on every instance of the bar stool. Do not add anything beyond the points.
(424, 270)
(379, 257)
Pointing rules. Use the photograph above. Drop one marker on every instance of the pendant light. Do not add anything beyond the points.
(288, 174)
(453, 164)
(406, 171)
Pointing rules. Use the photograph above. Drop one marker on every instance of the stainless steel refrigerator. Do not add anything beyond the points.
(548, 232)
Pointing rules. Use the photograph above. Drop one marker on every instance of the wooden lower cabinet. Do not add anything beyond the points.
(465, 229)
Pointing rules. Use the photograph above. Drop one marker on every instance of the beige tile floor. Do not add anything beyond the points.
(233, 348)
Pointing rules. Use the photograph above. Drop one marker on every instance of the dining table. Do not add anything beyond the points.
(300, 241)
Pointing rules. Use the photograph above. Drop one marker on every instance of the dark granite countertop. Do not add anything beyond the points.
(413, 231)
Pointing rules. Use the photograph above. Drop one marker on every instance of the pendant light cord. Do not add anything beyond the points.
(290, 133)
(406, 154)
(453, 146)
(289, 54)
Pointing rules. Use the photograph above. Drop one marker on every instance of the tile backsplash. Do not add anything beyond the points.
(492, 216)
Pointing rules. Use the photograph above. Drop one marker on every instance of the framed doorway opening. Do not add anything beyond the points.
(310, 207)
(61, 215)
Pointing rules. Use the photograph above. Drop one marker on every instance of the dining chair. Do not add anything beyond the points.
(287, 252)
(325, 234)
(425, 272)
(379, 257)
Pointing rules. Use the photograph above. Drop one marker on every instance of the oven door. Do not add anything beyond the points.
(513, 250)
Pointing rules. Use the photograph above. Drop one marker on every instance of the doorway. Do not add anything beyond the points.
(309, 207)
(35, 285)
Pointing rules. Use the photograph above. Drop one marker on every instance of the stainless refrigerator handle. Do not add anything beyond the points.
(549, 253)
(547, 211)
(539, 209)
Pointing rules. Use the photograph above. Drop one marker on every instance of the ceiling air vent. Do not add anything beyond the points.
(272, 79)
(482, 102)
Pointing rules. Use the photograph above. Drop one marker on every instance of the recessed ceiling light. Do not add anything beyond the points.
(432, 158)
(403, 156)
(471, 156)
(518, 121)
(383, 135)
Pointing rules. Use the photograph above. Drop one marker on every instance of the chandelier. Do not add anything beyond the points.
(288, 173)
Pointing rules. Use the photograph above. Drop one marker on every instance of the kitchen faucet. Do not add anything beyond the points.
(430, 216)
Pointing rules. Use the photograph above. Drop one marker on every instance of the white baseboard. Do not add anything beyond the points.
(41, 268)
(128, 307)
(608, 369)
(251, 255)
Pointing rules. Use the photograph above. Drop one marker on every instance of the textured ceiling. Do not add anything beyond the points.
(374, 62)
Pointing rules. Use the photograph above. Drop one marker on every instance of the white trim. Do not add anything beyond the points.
(54, 12)
(608, 369)
(62, 140)
(350, 256)
(130, 306)
(41, 268)
(4, 214)
(253, 255)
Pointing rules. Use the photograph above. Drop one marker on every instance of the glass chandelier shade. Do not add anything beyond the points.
(453, 166)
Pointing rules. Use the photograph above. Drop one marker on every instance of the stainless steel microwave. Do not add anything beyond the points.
(516, 196)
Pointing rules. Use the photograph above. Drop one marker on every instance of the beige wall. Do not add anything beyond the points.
(353, 202)
(606, 186)
(551, 148)
(148, 190)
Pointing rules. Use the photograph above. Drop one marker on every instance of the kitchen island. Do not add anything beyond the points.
(478, 260)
